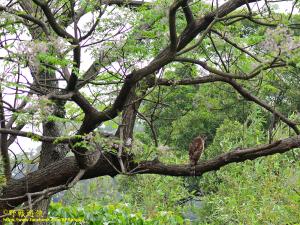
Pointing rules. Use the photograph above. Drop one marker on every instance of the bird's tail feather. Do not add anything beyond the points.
(193, 170)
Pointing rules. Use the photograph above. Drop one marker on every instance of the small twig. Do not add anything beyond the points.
(29, 200)
(120, 150)
(200, 40)
(76, 178)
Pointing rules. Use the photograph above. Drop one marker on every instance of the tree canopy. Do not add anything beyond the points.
(118, 87)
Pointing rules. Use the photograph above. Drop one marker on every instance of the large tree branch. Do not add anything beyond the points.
(93, 120)
(256, 71)
(189, 81)
(222, 36)
(203, 22)
(162, 59)
(166, 56)
(37, 137)
(53, 175)
(172, 24)
(52, 21)
(238, 87)
(92, 117)
(248, 96)
(124, 3)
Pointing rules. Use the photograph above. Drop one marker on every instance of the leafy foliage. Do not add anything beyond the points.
(124, 40)
(261, 192)
(119, 214)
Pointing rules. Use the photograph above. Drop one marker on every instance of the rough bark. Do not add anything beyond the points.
(129, 115)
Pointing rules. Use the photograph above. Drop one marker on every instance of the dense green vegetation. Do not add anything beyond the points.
(242, 92)
(113, 214)
(265, 191)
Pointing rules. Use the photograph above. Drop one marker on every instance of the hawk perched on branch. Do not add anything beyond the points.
(195, 151)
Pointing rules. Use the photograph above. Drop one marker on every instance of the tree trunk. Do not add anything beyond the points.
(49, 152)
(129, 117)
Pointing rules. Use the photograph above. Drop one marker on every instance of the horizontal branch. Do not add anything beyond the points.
(26, 134)
(53, 175)
(248, 96)
(238, 87)
(256, 71)
(37, 137)
(199, 80)
(130, 3)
